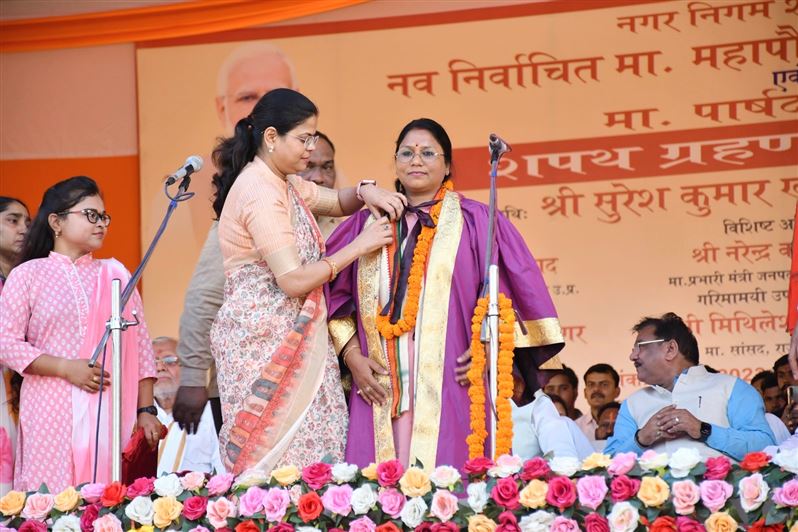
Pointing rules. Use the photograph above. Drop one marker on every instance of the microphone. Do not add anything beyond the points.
(498, 146)
(192, 164)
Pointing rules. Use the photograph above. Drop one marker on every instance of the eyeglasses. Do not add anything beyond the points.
(310, 141)
(404, 156)
(92, 216)
(168, 361)
(646, 342)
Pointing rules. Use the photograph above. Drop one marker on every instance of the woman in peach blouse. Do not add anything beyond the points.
(279, 382)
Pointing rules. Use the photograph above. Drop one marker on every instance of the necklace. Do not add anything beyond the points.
(407, 321)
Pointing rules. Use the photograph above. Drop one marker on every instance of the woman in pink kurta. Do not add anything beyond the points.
(14, 222)
(52, 311)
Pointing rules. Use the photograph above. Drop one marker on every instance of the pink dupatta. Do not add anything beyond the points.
(84, 404)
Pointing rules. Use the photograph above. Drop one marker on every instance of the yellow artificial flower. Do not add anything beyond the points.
(534, 494)
(480, 523)
(596, 460)
(286, 475)
(720, 522)
(12, 503)
(415, 482)
(653, 491)
(370, 472)
(167, 509)
(67, 500)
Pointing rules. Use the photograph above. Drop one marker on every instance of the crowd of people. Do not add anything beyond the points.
(303, 339)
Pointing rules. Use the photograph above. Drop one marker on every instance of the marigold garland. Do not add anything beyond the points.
(407, 322)
(476, 390)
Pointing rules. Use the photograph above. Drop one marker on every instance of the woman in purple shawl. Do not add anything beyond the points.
(409, 400)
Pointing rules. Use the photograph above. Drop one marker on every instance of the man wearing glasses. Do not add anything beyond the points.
(684, 405)
(181, 451)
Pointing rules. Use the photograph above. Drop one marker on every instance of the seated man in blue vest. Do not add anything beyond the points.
(684, 405)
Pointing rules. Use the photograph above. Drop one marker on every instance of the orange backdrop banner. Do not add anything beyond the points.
(167, 21)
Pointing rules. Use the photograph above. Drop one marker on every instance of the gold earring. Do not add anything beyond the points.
(57, 234)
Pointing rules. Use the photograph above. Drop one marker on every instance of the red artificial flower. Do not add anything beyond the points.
(194, 507)
(90, 514)
(685, 524)
(596, 523)
(508, 523)
(309, 506)
(444, 527)
(759, 526)
(535, 468)
(718, 468)
(424, 527)
(389, 473)
(282, 527)
(753, 462)
(388, 527)
(623, 488)
(562, 493)
(317, 475)
(478, 466)
(32, 525)
(247, 526)
(505, 493)
(113, 494)
(663, 523)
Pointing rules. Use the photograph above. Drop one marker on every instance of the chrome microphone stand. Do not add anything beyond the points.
(114, 327)
(490, 324)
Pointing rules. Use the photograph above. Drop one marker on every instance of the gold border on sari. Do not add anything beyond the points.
(368, 274)
(341, 331)
(431, 346)
(545, 331)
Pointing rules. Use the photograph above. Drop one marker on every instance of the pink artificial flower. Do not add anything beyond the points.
(219, 484)
(787, 495)
(317, 475)
(38, 506)
(219, 510)
(563, 524)
(275, 503)
(685, 494)
(534, 468)
(591, 490)
(251, 502)
(108, 523)
(338, 499)
(505, 493)
(92, 492)
(141, 487)
(561, 493)
(363, 524)
(622, 463)
(194, 507)
(192, 481)
(718, 467)
(715, 493)
(392, 501)
(444, 505)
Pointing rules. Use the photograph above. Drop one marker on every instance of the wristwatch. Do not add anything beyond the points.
(363, 182)
(706, 430)
(147, 410)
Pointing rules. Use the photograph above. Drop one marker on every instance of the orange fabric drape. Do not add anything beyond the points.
(161, 21)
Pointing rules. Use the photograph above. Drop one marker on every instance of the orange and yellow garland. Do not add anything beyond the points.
(476, 391)
(407, 322)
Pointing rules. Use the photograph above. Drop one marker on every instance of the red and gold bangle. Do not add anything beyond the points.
(333, 268)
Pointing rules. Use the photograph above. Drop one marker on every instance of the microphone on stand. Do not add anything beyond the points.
(192, 164)
(497, 147)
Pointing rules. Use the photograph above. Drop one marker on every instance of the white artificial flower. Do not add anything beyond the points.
(683, 461)
(67, 523)
(413, 512)
(539, 521)
(168, 486)
(651, 460)
(251, 477)
(363, 499)
(787, 460)
(140, 510)
(307, 529)
(506, 465)
(565, 465)
(344, 472)
(753, 491)
(477, 496)
(445, 476)
(623, 518)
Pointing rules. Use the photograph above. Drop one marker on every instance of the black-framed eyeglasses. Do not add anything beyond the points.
(92, 215)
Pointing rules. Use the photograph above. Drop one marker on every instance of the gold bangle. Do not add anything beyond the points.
(333, 268)
(346, 352)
